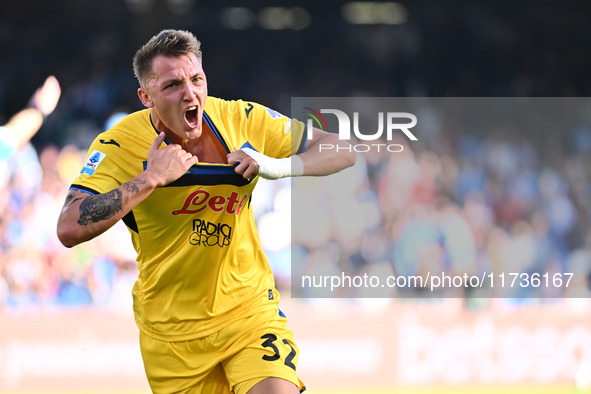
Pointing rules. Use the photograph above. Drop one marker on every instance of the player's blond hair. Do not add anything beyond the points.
(168, 42)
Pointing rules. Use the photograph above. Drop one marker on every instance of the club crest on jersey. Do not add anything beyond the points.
(93, 161)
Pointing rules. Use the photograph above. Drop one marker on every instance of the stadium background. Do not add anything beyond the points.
(65, 315)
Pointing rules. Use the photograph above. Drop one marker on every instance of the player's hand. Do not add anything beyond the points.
(253, 163)
(167, 164)
(47, 96)
(247, 166)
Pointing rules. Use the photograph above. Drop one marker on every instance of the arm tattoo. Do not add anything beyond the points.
(70, 199)
(100, 207)
(131, 186)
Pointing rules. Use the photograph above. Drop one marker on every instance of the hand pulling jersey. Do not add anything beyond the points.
(201, 265)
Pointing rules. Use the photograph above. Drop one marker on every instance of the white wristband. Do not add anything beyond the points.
(271, 168)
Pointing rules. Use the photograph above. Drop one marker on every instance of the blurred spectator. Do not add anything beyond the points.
(23, 125)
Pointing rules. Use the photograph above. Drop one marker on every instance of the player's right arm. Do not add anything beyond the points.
(85, 216)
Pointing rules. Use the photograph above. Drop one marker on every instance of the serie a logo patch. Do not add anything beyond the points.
(93, 161)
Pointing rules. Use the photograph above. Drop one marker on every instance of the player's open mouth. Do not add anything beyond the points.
(191, 116)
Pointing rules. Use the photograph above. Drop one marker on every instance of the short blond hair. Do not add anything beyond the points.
(168, 42)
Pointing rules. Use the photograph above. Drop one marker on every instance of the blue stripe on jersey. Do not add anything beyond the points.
(215, 131)
(83, 189)
(212, 169)
(303, 144)
(209, 175)
(248, 145)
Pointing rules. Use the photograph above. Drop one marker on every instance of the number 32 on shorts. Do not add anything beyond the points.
(269, 342)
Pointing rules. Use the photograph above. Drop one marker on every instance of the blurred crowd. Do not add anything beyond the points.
(35, 268)
(462, 202)
(480, 195)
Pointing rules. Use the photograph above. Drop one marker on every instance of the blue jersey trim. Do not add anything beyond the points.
(303, 144)
(215, 131)
(248, 145)
(209, 175)
(84, 189)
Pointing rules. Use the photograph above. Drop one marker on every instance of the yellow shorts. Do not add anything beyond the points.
(230, 361)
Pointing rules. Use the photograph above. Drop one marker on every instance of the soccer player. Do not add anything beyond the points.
(24, 125)
(181, 174)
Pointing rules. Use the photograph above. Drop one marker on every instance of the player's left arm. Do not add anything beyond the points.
(324, 154)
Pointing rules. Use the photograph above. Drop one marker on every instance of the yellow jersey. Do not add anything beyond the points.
(201, 265)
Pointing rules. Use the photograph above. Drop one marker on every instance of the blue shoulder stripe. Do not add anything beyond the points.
(83, 189)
